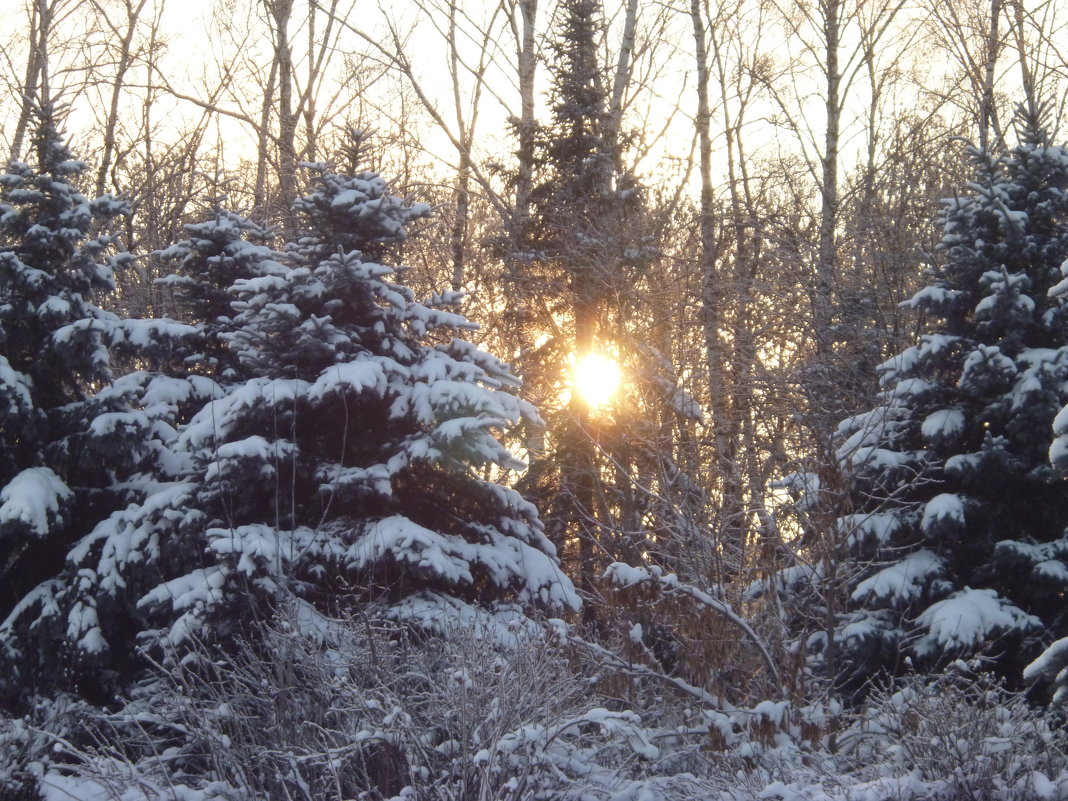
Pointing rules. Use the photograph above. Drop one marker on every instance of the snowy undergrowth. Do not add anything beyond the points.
(367, 709)
(958, 736)
(363, 709)
(28, 744)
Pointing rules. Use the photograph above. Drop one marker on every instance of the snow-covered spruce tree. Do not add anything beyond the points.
(75, 438)
(57, 462)
(219, 251)
(343, 473)
(956, 544)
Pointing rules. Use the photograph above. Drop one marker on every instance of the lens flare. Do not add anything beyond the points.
(596, 379)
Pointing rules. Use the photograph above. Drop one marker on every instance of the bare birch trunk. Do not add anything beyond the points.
(1027, 77)
(281, 12)
(620, 81)
(35, 83)
(987, 115)
(527, 66)
(263, 142)
(827, 258)
(462, 192)
(713, 301)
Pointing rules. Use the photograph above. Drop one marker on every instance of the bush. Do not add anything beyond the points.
(318, 709)
(367, 709)
(963, 736)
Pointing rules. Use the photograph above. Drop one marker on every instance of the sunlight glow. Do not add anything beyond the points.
(596, 379)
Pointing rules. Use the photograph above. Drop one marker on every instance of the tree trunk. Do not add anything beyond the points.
(527, 57)
(620, 81)
(462, 194)
(35, 83)
(1027, 78)
(281, 12)
(713, 300)
(827, 258)
(263, 143)
(133, 14)
(987, 115)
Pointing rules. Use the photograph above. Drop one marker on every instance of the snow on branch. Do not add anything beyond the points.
(33, 498)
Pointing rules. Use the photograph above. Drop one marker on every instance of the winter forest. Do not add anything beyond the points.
(498, 400)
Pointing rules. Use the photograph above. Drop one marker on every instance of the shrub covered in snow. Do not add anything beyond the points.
(29, 744)
(324, 709)
(960, 736)
(363, 708)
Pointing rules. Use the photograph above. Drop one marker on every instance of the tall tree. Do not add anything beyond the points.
(35, 88)
(571, 234)
(839, 43)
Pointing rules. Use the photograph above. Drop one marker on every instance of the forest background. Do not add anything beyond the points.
(733, 204)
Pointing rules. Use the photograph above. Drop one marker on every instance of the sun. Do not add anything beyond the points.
(596, 379)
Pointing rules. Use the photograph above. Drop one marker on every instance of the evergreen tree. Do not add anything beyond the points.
(587, 251)
(570, 238)
(219, 251)
(78, 440)
(341, 473)
(60, 453)
(956, 542)
(577, 162)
